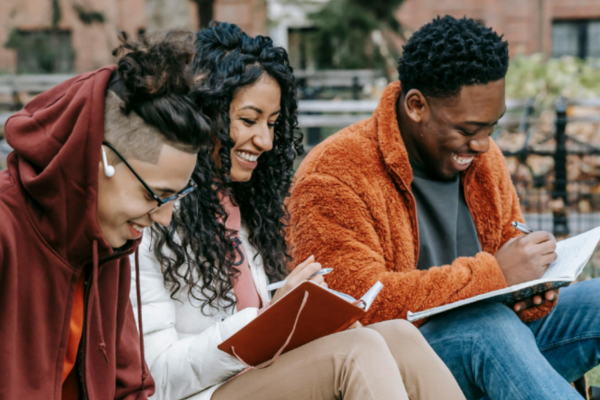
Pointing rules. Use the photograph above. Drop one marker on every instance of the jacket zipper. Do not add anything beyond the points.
(413, 212)
(415, 219)
(83, 344)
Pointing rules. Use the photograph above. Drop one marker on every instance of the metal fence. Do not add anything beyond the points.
(556, 173)
(553, 155)
(554, 160)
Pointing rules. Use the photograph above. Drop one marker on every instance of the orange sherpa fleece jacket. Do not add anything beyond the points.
(352, 207)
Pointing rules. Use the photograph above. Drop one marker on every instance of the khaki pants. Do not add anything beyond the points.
(389, 360)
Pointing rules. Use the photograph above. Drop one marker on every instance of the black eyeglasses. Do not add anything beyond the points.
(161, 201)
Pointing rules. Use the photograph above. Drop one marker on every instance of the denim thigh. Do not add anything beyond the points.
(491, 352)
(569, 337)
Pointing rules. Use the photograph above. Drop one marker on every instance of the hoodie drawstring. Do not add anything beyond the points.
(138, 293)
(96, 299)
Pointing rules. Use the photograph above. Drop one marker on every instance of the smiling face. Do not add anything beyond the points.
(123, 202)
(252, 112)
(445, 135)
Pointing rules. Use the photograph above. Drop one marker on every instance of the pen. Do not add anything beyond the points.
(277, 285)
(522, 227)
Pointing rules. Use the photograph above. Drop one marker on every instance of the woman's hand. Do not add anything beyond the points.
(301, 273)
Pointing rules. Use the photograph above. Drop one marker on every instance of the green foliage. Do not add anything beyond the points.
(14, 40)
(351, 34)
(383, 10)
(594, 377)
(546, 80)
(56, 14)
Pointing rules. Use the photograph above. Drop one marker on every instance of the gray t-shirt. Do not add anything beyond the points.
(446, 228)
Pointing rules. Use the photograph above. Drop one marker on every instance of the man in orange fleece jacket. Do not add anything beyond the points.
(418, 197)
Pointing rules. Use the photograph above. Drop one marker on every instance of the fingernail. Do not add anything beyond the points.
(552, 295)
(518, 308)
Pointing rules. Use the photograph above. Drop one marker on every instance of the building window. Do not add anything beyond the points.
(301, 48)
(593, 39)
(580, 38)
(42, 51)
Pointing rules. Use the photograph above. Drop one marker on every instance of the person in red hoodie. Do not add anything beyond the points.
(96, 160)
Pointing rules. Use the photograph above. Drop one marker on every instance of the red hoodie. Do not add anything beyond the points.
(49, 235)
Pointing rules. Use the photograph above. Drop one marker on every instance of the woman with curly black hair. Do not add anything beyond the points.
(205, 276)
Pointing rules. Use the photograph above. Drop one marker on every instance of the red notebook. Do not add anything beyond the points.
(306, 313)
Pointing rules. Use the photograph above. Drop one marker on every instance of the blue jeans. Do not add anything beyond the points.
(492, 353)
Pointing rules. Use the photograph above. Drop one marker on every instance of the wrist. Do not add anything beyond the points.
(264, 308)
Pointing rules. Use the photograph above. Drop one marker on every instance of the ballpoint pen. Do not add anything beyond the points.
(522, 227)
(277, 285)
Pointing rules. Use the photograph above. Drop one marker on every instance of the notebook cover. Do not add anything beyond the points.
(323, 314)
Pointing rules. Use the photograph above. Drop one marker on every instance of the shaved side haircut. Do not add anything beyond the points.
(147, 102)
(132, 136)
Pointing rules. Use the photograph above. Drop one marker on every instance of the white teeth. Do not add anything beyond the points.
(247, 156)
(462, 160)
(137, 227)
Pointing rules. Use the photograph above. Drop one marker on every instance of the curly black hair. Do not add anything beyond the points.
(448, 53)
(202, 260)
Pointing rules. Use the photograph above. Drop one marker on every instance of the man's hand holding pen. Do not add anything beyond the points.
(526, 258)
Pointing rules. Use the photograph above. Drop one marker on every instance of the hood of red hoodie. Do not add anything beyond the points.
(48, 231)
(57, 139)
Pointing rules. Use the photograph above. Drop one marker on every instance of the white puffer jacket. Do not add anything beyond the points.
(181, 342)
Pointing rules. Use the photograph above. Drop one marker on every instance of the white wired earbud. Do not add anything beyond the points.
(109, 170)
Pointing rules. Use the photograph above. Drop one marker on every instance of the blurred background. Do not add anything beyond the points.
(344, 53)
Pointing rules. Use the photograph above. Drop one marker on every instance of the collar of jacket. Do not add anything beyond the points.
(391, 144)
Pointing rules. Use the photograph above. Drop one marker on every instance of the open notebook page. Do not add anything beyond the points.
(573, 254)
(367, 298)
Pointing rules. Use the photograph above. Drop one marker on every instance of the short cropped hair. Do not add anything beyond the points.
(448, 53)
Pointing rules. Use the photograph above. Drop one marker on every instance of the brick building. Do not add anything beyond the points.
(552, 27)
(40, 36)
